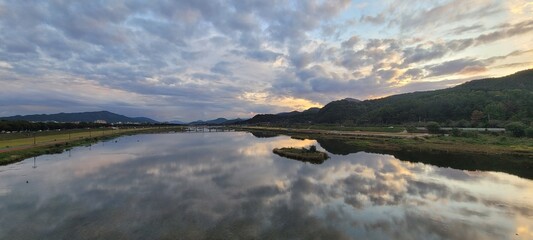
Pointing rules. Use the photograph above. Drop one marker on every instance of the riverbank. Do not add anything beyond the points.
(403, 141)
(15, 148)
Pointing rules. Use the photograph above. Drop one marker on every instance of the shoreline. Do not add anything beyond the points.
(22, 152)
(376, 141)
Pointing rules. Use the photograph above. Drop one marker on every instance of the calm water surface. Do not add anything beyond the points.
(231, 186)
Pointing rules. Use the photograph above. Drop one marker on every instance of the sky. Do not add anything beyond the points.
(202, 59)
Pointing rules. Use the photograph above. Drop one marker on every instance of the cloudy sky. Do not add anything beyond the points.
(202, 59)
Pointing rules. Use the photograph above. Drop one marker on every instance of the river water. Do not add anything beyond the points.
(229, 185)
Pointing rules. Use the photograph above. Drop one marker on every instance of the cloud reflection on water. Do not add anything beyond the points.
(203, 186)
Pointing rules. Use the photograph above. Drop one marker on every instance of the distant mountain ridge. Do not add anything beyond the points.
(213, 121)
(305, 116)
(177, 122)
(107, 116)
(508, 98)
(218, 121)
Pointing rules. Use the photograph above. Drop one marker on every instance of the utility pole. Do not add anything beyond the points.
(34, 140)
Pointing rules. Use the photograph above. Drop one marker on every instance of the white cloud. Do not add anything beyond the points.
(5, 65)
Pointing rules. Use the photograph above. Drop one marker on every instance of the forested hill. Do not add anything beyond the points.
(520, 80)
(306, 116)
(487, 102)
(109, 117)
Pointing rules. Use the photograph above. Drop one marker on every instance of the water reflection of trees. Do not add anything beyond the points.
(516, 165)
(264, 134)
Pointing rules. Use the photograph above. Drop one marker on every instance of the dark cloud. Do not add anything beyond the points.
(466, 29)
(263, 55)
(192, 55)
(205, 76)
(387, 74)
(350, 43)
(411, 16)
(378, 19)
(513, 65)
(456, 66)
(291, 24)
(374, 53)
(425, 52)
(506, 32)
(413, 73)
(435, 50)
(222, 67)
(301, 59)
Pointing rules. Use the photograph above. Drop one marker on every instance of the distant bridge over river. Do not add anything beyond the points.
(470, 129)
(206, 128)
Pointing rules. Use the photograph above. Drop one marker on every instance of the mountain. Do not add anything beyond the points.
(234, 121)
(485, 101)
(351, 100)
(144, 120)
(209, 122)
(109, 117)
(305, 116)
(177, 122)
(501, 99)
(218, 121)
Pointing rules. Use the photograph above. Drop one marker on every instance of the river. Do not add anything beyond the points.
(229, 185)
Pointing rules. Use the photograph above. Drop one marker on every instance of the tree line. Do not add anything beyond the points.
(23, 126)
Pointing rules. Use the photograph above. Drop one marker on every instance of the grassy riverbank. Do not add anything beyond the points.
(478, 143)
(16, 147)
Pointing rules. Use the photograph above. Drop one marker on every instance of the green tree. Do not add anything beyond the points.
(516, 129)
(433, 127)
(411, 129)
(495, 110)
(456, 132)
(312, 148)
(476, 117)
(529, 132)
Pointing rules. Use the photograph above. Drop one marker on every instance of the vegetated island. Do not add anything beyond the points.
(302, 154)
